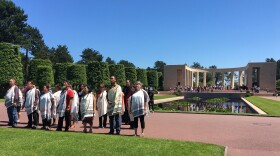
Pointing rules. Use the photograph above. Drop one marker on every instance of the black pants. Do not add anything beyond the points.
(104, 121)
(46, 122)
(116, 119)
(67, 117)
(142, 121)
(33, 118)
(151, 103)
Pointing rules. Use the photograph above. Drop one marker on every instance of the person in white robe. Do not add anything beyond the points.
(75, 110)
(56, 96)
(45, 105)
(102, 104)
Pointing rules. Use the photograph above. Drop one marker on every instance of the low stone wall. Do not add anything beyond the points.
(214, 95)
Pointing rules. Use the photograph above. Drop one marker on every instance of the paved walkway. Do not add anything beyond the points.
(244, 135)
(271, 97)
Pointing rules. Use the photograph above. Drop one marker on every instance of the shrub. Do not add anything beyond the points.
(130, 74)
(76, 74)
(119, 72)
(33, 68)
(60, 72)
(105, 73)
(152, 77)
(94, 75)
(248, 94)
(142, 76)
(177, 92)
(10, 66)
(44, 76)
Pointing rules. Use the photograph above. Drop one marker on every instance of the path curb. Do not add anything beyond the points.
(226, 151)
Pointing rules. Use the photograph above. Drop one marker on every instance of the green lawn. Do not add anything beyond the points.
(2, 100)
(164, 96)
(37, 142)
(269, 106)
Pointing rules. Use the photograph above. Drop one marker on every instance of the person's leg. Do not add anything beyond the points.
(153, 104)
(35, 119)
(111, 120)
(67, 120)
(150, 102)
(105, 120)
(142, 120)
(100, 122)
(18, 112)
(15, 116)
(60, 124)
(135, 125)
(44, 123)
(118, 123)
(10, 116)
(91, 125)
(85, 127)
(29, 125)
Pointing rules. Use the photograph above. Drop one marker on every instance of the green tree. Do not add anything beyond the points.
(76, 74)
(94, 75)
(60, 55)
(33, 68)
(127, 63)
(197, 65)
(131, 74)
(45, 76)
(270, 60)
(159, 66)
(10, 66)
(89, 55)
(142, 76)
(152, 77)
(119, 72)
(60, 72)
(12, 22)
(110, 61)
(105, 73)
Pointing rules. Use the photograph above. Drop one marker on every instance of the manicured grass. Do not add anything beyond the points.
(269, 106)
(2, 100)
(164, 96)
(37, 142)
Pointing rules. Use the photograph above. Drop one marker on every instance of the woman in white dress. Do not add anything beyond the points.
(56, 96)
(46, 103)
(102, 106)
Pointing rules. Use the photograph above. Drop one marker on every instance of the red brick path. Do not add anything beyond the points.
(244, 135)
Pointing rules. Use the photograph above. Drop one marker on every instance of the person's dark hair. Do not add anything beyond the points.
(114, 77)
(57, 86)
(47, 86)
(89, 89)
(30, 81)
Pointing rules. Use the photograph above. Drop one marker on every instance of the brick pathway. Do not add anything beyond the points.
(244, 135)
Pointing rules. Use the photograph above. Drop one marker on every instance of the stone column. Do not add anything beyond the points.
(240, 78)
(184, 77)
(204, 79)
(188, 78)
(232, 80)
(223, 79)
(245, 78)
(213, 78)
(197, 79)
(191, 79)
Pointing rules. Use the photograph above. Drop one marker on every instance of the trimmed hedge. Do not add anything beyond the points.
(105, 73)
(152, 76)
(94, 75)
(119, 72)
(131, 74)
(60, 72)
(33, 68)
(76, 74)
(44, 76)
(10, 66)
(142, 76)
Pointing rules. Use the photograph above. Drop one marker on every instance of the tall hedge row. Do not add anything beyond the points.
(94, 75)
(44, 76)
(105, 73)
(10, 66)
(119, 72)
(60, 72)
(33, 68)
(152, 76)
(131, 74)
(76, 74)
(142, 76)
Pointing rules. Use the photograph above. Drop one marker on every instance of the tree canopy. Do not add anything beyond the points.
(60, 55)
(126, 63)
(89, 55)
(110, 61)
(159, 66)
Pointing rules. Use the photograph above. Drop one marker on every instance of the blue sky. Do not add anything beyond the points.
(226, 33)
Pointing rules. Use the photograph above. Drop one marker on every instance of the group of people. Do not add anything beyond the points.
(122, 106)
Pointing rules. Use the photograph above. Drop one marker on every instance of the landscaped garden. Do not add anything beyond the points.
(271, 107)
(36, 142)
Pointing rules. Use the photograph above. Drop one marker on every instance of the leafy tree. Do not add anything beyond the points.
(126, 63)
(119, 72)
(10, 66)
(142, 76)
(218, 75)
(110, 61)
(12, 22)
(60, 55)
(94, 75)
(89, 55)
(45, 76)
(270, 60)
(131, 74)
(60, 72)
(152, 77)
(197, 65)
(159, 66)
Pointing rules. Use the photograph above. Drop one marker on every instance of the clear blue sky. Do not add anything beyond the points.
(226, 33)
